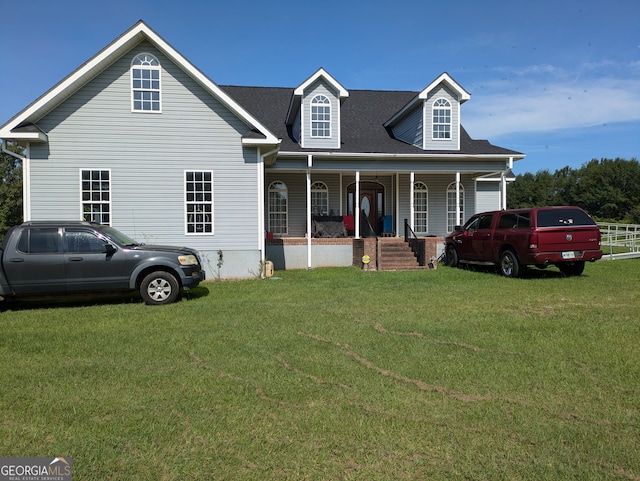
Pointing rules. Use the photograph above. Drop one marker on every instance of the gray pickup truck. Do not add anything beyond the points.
(64, 258)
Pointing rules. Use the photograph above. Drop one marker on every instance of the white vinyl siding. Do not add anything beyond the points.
(147, 156)
(310, 137)
(441, 142)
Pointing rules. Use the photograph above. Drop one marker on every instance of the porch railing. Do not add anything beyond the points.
(416, 244)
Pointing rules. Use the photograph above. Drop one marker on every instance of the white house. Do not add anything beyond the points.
(140, 139)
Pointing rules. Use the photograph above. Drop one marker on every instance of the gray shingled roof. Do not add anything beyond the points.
(363, 115)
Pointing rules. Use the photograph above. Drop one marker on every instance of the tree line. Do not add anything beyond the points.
(10, 188)
(609, 189)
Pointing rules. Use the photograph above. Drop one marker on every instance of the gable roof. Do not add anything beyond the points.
(14, 128)
(296, 98)
(363, 118)
(444, 78)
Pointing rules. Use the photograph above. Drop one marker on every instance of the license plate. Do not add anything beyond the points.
(569, 255)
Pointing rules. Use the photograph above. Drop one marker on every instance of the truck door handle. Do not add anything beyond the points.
(17, 259)
(75, 259)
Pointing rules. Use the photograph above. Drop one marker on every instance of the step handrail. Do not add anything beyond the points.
(416, 244)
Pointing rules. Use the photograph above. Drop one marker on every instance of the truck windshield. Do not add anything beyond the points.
(563, 218)
(118, 237)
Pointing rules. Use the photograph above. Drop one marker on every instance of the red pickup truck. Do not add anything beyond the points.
(512, 239)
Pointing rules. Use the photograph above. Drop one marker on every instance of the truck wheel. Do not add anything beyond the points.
(509, 264)
(452, 257)
(572, 268)
(159, 288)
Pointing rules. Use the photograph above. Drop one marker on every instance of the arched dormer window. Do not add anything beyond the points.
(319, 198)
(441, 119)
(277, 206)
(452, 218)
(421, 207)
(320, 116)
(145, 84)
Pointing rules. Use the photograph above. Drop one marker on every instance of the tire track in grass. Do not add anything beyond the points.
(421, 385)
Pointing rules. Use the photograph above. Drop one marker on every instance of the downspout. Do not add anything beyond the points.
(309, 165)
(26, 173)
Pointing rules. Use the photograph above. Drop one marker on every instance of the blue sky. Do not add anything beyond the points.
(557, 80)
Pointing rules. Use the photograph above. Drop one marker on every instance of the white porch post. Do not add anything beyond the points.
(309, 165)
(356, 212)
(399, 227)
(458, 219)
(503, 189)
(412, 180)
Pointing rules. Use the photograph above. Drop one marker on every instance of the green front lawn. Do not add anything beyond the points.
(336, 374)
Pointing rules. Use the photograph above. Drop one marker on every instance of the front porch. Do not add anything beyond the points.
(302, 253)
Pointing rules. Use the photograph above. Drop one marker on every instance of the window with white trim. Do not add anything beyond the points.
(421, 207)
(320, 116)
(452, 219)
(95, 188)
(145, 83)
(277, 207)
(319, 198)
(198, 189)
(441, 119)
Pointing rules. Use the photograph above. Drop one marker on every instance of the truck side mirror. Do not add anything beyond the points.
(108, 249)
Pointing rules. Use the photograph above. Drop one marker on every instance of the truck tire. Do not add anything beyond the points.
(452, 256)
(509, 265)
(572, 268)
(159, 288)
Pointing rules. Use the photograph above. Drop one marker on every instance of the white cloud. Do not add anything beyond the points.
(531, 106)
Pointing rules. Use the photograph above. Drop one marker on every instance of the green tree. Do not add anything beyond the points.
(606, 188)
(10, 189)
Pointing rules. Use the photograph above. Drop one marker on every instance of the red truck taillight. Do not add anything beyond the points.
(533, 241)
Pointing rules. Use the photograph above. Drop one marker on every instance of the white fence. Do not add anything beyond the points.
(620, 241)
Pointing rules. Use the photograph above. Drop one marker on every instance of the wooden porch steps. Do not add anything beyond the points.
(394, 254)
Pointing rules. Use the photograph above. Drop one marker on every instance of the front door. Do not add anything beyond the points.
(371, 207)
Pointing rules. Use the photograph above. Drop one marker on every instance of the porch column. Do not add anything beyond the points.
(503, 189)
(412, 179)
(356, 211)
(458, 220)
(309, 165)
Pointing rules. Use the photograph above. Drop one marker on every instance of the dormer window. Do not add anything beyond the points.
(441, 119)
(145, 83)
(320, 116)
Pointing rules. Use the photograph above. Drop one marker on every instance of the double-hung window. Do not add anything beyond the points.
(441, 119)
(145, 83)
(95, 187)
(320, 116)
(199, 202)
